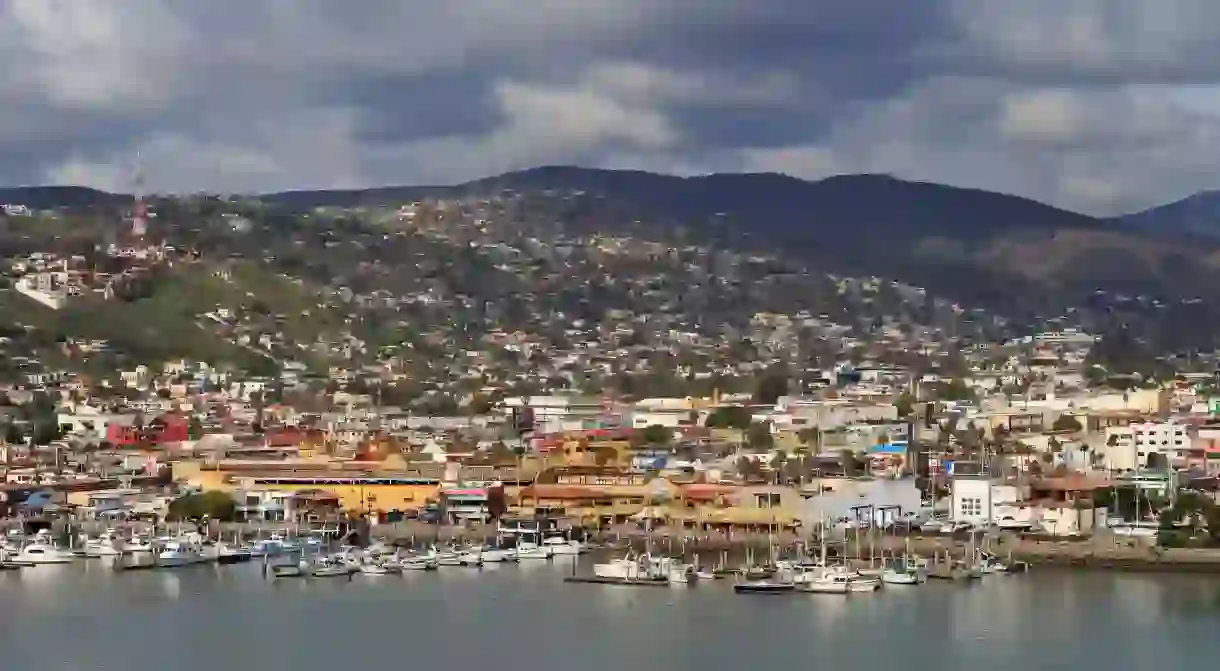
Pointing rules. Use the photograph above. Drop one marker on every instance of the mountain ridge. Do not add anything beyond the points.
(875, 224)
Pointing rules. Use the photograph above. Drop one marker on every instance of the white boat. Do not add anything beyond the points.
(803, 571)
(186, 550)
(529, 550)
(42, 550)
(497, 555)
(561, 546)
(272, 546)
(329, 567)
(137, 545)
(473, 558)
(105, 545)
(841, 581)
(289, 569)
(446, 557)
(897, 575)
(622, 568)
(418, 564)
(379, 568)
(827, 584)
(380, 549)
(679, 573)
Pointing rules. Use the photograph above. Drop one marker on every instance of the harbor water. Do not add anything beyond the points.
(85, 616)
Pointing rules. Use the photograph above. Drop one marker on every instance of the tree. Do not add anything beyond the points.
(847, 460)
(217, 505)
(758, 436)
(904, 404)
(770, 387)
(497, 502)
(1156, 462)
(655, 434)
(194, 427)
(748, 468)
(729, 417)
(1067, 423)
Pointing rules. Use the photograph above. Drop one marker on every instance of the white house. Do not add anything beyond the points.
(1129, 448)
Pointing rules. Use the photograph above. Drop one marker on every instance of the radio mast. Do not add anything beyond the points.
(139, 217)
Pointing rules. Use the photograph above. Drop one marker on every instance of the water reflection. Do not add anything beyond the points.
(206, 617)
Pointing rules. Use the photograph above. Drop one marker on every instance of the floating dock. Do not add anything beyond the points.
(598, 580)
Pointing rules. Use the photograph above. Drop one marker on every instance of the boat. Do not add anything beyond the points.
(186, 550)
(629, 567)
(765, 586)
(375, 569)
(137, 545)
(105, 545)
(42, 550)
(418, 563)
(561, 546)
(272, 546)
(841, 580)
(227, 554)
(904, 571)
(380, 549)
(471, 558)
(527, 550)
(329, 567)
(498, 555)
(295, 569)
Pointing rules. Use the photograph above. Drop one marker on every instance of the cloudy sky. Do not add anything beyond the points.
(1098, 105)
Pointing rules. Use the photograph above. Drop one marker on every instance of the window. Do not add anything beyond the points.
(971, 506)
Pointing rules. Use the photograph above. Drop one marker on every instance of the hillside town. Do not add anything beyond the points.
(1024, 443)
(418, 363)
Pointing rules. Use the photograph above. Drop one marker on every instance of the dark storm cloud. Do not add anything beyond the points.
(1101, 105)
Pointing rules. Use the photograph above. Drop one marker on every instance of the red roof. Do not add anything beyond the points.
(567, 492)
(705, 492)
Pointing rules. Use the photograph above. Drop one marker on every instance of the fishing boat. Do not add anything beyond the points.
(764, 586)
(380, 566)
(272, 546)
(561, 546)
(42, 550)
(493, 555)
(138, 544)
(418, 563)
(329, 567)
(186, 550)
(105, 545)
(528, 550)
(629, 567)
(471, 558)
(289, 569)
(227, 554)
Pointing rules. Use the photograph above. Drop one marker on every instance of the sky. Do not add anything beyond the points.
(1101, 106)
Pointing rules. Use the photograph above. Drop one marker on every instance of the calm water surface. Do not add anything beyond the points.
(207, 618)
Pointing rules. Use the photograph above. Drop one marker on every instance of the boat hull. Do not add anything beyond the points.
(763, 588)
(234, 558)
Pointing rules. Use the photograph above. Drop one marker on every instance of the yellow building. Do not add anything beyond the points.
(369, 487)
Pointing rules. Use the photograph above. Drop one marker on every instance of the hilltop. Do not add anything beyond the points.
(1014, 255)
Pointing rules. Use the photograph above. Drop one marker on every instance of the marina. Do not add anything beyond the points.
(84, 616)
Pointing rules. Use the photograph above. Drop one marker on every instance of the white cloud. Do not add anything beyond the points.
(1047, 98)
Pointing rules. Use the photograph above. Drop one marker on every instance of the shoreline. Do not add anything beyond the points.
(1101, 553)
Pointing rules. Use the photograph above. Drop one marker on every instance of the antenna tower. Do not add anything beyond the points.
(139, 218)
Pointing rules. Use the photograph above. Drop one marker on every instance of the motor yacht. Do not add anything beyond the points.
(841, 580)
(561, 546)
(332, 566)
(138, 545)
(43, 550)
(105, 545)
(527, 550)
(186, 550)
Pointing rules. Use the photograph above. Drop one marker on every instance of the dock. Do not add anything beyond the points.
(598, 580)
